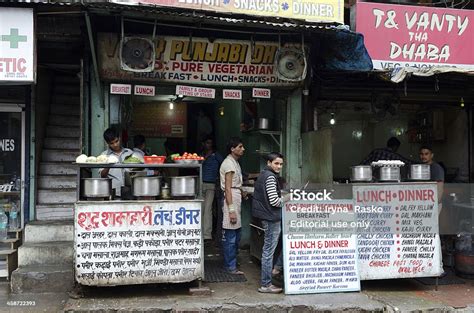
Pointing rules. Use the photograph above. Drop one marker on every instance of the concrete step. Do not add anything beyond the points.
(63, 120)
(63, 131)
(54, 182)
(56, 196)
(66, 109)
(61, 143)
(51, 252)
(57, 168)
(42, 278)
(55, 155)
(54, 212)
(67, 99)
(45, 231)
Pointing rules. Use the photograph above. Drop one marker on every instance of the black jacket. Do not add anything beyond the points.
(261, 207)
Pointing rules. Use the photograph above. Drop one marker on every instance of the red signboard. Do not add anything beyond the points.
(397, 35)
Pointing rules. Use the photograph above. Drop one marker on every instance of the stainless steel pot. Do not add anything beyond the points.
(146, 186)
(389, 173)
(263, 123)
(97, 187)
(183, 186)
(361, 173)
(420, 172)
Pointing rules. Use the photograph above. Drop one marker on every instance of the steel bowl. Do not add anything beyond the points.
(420, 172)
(389, 173)
(263, 123)
(96, 187)
(361, 173)
(183, 186)
(144, 186)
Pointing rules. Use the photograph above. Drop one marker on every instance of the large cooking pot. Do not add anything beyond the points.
(183, 186)
(420, 172)
(97, 187)
(146, 186)
(361, 173)
(389, 173)
(263, 123)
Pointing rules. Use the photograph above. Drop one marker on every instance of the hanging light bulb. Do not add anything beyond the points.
(461, 102)
(221, 111)
(332, 121)
(171, 105)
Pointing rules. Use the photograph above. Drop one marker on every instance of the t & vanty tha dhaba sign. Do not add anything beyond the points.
(16, 45)
(179, 60)
(309, 10)
(397, 35)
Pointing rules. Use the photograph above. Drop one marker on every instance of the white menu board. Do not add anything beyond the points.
(320, 254)
(402, 239)
(139, 242)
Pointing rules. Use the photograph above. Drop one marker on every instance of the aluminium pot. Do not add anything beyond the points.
(97, 187)
(420, 172)
(361, 173)
(144, 186)
(183, 186)
(389, 173)
(263, 123)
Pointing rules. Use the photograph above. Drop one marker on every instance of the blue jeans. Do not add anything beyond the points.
(230, 248)
(270, 242)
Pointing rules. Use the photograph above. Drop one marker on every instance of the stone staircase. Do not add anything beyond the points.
(45, 260)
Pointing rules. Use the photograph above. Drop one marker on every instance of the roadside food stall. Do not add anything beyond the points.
(155, 237)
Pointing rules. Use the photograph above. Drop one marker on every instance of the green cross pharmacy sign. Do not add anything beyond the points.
(17, 62)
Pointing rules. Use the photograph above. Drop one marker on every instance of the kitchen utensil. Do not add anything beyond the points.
(263, 123)
(420, 172)
(183, 186)
(361, 173)
(389, 173)
(165, 192)
(97, 187)
(146, 186)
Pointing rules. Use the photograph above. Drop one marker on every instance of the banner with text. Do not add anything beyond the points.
(309, 10)
(397, 35)
(137, 242)
(17, 61)
(179, 60)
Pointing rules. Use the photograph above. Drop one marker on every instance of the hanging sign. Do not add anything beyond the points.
(154, 119)
(309, 10)
(231, 94)
(199, 92)
(120, 89)
(17, 62)
(399, 36)
(144, 90)
(180, 60)
(261, 93)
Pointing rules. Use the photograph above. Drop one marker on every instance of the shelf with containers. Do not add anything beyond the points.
(139, 240)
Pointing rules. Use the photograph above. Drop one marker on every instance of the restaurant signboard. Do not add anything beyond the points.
(17, 61)
(400, 36)
(309, 10)
(180, 60)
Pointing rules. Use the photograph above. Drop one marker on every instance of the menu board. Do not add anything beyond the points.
(138, 242)
(320, 253)
(156, 119)
(402, 239)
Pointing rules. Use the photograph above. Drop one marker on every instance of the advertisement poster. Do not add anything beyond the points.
(197, 61)
(137, 242)
(309, 10)
(17, 61)
(419, 36)
(401, 240)
(320, 250)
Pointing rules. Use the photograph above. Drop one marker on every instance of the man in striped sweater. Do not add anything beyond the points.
(266, 206)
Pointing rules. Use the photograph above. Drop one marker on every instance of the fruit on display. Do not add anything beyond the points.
(187, 156)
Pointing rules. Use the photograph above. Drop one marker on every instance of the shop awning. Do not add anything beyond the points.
(399, 74)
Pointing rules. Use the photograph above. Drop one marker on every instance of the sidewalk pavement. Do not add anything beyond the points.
(398, 295)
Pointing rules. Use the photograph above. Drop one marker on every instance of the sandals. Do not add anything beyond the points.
(236, 272)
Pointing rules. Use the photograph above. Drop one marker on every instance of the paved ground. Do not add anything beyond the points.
(406, 295)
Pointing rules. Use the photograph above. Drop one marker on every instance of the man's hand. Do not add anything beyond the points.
(233, 217)
(286, 197)
(245, 195)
